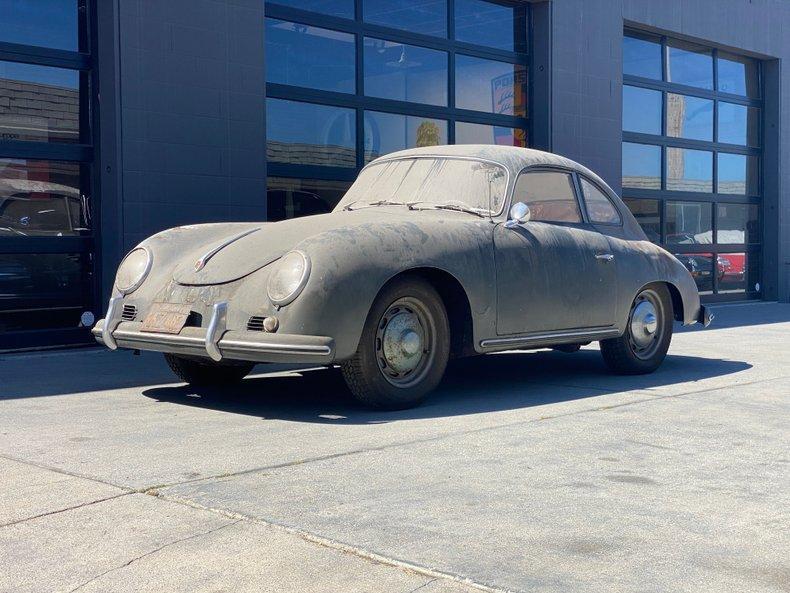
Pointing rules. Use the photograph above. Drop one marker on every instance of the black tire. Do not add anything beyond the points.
(208, 374)
(378, 374)
(638, 351)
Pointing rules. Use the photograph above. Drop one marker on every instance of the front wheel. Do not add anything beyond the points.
(404, 347)
(202, 374)
(643, 346)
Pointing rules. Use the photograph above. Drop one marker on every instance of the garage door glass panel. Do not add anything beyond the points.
(641, 166)
(689, 170)
(738, 174)
(43, 198)
(739, 124)
(642, 57)
(738, 272)
(405, 72)
(689, 117)
(310, 134)
(289, 198)
(41, 103)
(388, 132)
(43, 290)
(469, 133)
(701, 267)
(738, 75)
(309, 56)
(490, 24)
(52, 24)
(689, 64)
(737, 224)
(490, 86)
(641, 110)
(549, 195)
(339, 8)
(648, 216)
(428, 17)
(689, 223)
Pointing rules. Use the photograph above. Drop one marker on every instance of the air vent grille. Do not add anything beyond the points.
(129, 313)
(255, 323)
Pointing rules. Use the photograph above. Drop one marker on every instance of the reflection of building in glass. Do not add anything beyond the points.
(38, 112)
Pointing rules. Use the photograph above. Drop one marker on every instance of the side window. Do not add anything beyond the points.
(549, 195)
(599, 206)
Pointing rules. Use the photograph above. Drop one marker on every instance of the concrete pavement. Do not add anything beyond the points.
(525, 472)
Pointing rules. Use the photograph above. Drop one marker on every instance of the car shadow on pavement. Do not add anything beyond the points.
(473, 385)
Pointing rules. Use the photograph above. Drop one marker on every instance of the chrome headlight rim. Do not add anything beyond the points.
(281, 302)
(149, 262)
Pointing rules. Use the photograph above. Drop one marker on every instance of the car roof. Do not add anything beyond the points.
(512, 157)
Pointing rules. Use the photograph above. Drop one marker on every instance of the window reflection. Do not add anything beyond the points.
(689, 170)
(689, 117)
(738, 174)
(700, 265)
(494, 87)
(290, 198)
(43, 199)
(44, 290)
(469, 133)
(40, 103)
(641, 166)
(428, 17)
(405, 72)
(341, 8)
(738, 75)
(491, 24)
(689, 223)
(737, 224)
(388, 132)
(738, 272)
(52, 24)
(648, 216)
(642, 57)
(310, 134)
(309, 56)
(739, 124)
(689, 64)
(641, 110)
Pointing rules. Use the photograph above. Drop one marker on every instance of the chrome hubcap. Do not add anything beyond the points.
(404, 342)
(645, 324)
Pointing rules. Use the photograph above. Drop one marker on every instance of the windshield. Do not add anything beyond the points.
(427, 182)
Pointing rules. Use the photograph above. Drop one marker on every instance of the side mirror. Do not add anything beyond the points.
(519, 213)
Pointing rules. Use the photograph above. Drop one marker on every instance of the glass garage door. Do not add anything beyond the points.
(47, 288)
(692, 119)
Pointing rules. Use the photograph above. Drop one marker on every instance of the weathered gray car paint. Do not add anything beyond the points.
(354, 253)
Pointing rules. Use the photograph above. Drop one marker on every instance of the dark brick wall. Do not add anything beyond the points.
(192, 113)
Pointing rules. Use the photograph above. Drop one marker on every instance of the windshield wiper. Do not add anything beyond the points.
(481, 212)
(376, 203)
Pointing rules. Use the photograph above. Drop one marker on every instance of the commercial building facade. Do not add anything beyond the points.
(120, 118)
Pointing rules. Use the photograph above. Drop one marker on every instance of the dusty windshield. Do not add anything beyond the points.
(477, 186)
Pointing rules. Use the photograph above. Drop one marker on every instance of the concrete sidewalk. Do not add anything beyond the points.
(525, 472)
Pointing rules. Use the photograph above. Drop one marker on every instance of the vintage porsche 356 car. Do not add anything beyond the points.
(433, 253)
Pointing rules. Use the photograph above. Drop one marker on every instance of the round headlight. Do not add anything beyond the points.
(288, 278)
(133, 270)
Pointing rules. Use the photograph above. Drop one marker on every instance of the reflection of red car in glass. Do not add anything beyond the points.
(732, 266)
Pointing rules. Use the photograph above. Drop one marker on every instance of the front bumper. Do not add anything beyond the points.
(214, 342)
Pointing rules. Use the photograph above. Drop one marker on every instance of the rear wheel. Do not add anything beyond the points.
(404, 347)
(199, 373)
(643, 346)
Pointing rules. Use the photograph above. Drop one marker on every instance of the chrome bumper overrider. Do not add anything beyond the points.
(215, 341)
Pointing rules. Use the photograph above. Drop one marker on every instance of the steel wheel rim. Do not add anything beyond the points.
(646, 324)
(405, 342)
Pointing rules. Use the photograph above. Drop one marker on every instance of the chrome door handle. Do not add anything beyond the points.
(604, 256)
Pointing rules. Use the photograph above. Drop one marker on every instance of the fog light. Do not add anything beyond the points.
(270, 324)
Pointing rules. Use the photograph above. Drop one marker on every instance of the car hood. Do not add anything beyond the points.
(248, 248)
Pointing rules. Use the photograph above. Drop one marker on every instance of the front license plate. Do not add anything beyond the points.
(166, 318)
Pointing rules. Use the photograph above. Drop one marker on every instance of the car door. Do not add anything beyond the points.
(554, 272)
